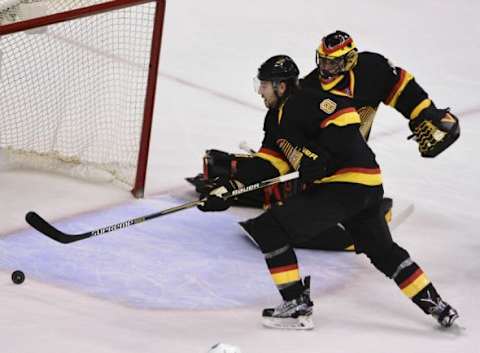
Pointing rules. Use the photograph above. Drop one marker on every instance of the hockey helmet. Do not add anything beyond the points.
(278, 68)
(336, 54)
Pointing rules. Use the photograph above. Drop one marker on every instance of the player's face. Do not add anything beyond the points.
(329, 67)
(266, 90)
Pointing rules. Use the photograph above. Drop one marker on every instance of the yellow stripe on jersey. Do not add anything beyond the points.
(420, 107)
(397, 90)
(280, 111)
(278, 163)
(364, 176)
(348, 91)
(328, 85)
(342, 117)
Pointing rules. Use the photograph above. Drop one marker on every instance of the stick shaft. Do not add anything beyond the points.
(47, 229)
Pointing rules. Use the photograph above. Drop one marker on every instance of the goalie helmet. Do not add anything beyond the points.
(336, 54)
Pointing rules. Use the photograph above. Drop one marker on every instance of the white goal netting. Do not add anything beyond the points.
(72, 94)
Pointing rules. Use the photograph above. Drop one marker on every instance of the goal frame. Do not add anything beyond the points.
(139, 185)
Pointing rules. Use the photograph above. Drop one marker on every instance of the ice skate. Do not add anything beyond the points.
(441, 311)
(444, 313)
(294, 314)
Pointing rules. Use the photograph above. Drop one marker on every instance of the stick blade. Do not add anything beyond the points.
(47, 229)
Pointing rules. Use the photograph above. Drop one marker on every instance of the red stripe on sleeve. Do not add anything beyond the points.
(359, 170)
(396, 87)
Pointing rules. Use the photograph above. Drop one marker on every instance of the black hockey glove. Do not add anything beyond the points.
(217, 163)
(434, 130)
(214, 200)
(310, 161)
(312, 165)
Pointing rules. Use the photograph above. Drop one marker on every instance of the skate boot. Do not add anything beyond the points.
(441, 311)
(444, 313)
(293, 314)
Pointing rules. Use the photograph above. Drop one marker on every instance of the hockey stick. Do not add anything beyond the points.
(402, 217)
(50, 231)
(245, 147)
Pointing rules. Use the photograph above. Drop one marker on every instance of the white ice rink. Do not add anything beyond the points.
(181, 283)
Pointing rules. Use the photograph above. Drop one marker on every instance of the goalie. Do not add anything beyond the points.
(317, 134)
(370, 79)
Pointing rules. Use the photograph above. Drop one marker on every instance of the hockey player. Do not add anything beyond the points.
(370, 79)
(318, 134)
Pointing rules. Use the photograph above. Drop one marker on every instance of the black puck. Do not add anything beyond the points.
(18, 277)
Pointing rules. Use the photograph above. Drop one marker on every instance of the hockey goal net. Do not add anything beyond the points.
(77, 85)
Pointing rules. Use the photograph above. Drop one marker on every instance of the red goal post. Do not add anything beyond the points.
(77, 85)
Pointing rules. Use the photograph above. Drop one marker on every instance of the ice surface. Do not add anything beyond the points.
(207, 257)
(110, 294)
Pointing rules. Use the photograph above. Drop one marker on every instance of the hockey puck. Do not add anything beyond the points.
(18, 277)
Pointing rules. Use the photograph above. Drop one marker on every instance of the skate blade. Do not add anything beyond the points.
(300, 323)
(451, 323)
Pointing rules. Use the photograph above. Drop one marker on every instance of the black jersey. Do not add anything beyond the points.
(372, 81)
(319, 119)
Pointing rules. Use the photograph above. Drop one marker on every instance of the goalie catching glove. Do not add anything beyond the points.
(434, 130)
(214, 200)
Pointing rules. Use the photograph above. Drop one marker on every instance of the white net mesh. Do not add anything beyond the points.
(72, 94)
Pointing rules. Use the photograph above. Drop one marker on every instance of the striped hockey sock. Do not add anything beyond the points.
(283, 267)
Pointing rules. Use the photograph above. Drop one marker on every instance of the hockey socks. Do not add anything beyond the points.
(410, 278)
(415, 284)
(295, 312)
(283, 267)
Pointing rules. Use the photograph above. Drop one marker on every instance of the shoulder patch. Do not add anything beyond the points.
(328, 106)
